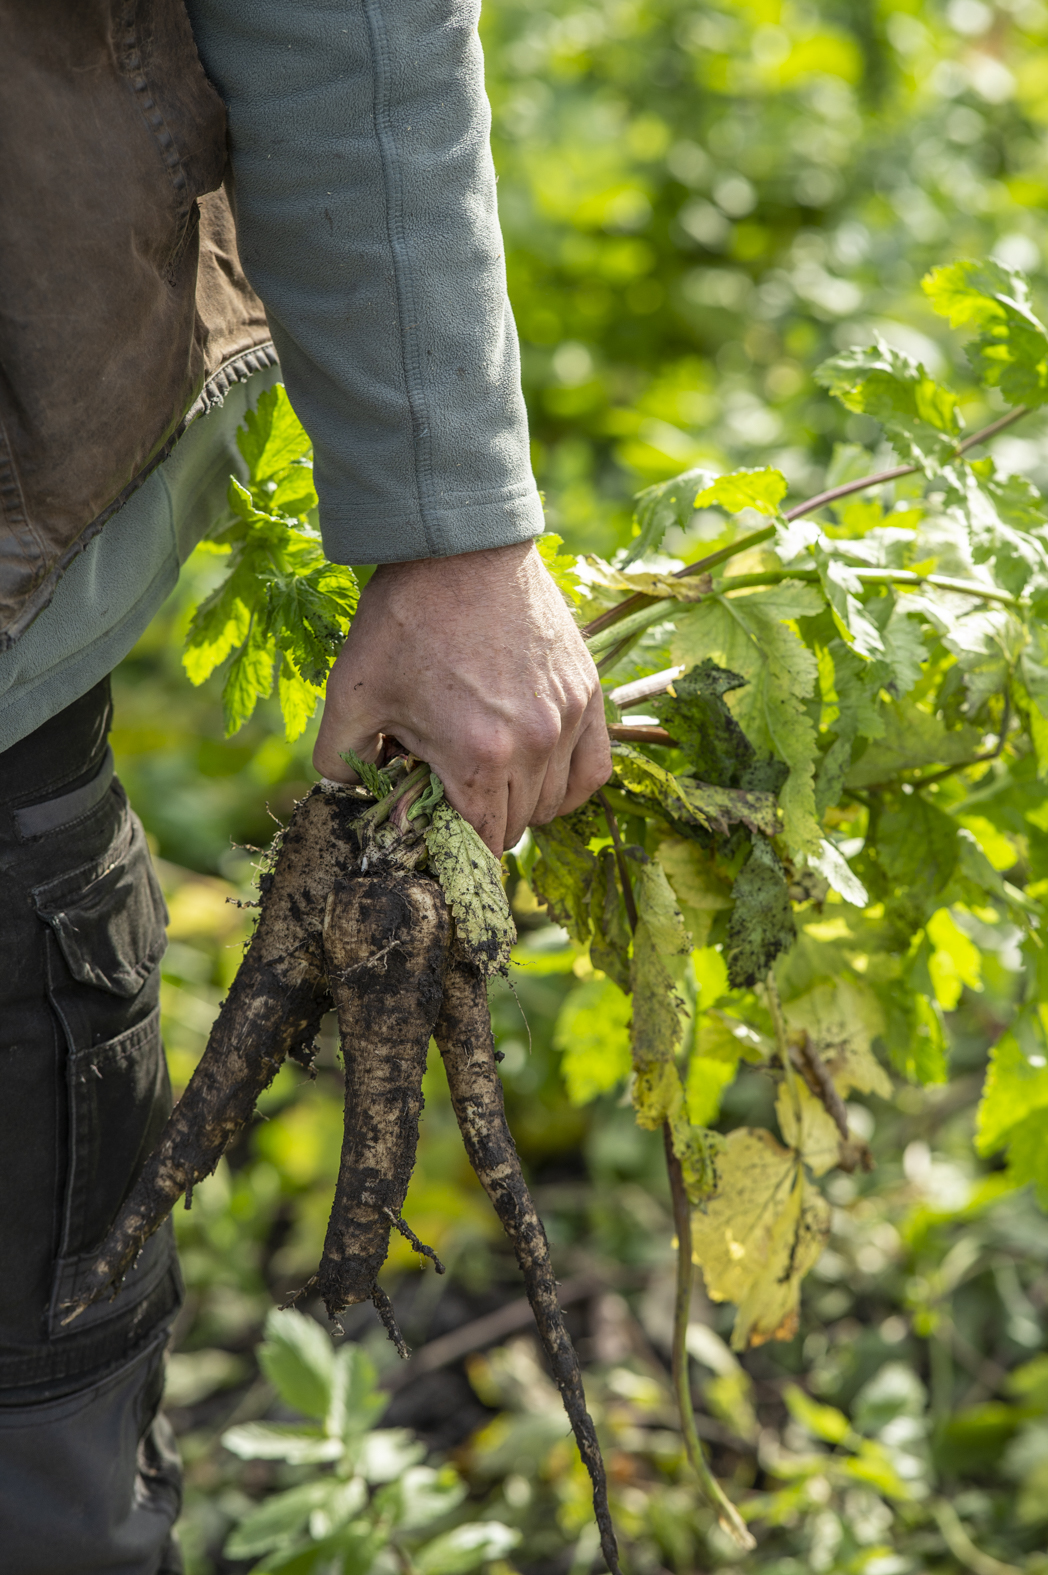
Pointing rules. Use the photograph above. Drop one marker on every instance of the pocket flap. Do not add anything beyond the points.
(109, 916)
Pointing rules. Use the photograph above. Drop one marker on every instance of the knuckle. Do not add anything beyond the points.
(489, 752)
(539, 733)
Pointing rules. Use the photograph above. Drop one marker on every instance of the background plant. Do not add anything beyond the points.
(932, 1263)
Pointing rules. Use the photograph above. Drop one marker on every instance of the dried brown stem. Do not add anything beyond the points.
(816, 1074)
(620, 860)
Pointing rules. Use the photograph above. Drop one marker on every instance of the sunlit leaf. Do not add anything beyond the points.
(760, 489)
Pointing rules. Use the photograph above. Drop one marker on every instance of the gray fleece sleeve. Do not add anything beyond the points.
(364, 196)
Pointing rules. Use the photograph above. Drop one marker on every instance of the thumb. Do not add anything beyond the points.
(345, 728)
(329, 755)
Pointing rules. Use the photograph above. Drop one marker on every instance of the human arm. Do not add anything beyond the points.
(365, 205)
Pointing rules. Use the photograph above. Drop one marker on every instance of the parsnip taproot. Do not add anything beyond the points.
(346, 916)
(273, 1009)
(467, 1045)
(385, 948)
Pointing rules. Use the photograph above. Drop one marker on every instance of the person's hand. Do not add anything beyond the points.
(474, 664)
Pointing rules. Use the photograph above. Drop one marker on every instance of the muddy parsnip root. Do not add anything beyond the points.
(273, 1009)
(385, 946)
(467, 1045)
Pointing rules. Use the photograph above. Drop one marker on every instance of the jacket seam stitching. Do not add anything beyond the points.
(410, 360)
(163, 137)
(13, 506)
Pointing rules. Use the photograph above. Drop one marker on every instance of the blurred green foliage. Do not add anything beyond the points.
(700, 204)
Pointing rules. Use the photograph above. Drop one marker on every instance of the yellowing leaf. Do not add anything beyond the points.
(641, 775)
(842, 1017)
(660, 944)
(470, 877)
(807, 1126)
(723, 808)
(698, 803)
(758, 1237)
(660, 937)
(692, 588)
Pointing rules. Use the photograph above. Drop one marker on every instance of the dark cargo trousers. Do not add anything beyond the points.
(89, 1478)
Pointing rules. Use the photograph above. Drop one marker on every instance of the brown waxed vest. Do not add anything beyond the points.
(122, 301)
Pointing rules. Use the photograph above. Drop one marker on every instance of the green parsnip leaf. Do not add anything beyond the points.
(561, 566)
(919, 415)
(695, 713)
(762, 924)
(657, 508)
(1013, 1114)
(564, 874)
(760, 489)
(748, 634)
(1011, 350)
(272, 438)
(283, 610)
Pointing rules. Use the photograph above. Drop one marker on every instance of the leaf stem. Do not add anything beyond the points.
(961, 1545)
(633, 604)
(728, 1516)
(941, 582)
(381, 811)
(620, 859)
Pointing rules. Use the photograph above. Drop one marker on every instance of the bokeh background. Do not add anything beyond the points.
(699, 204)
